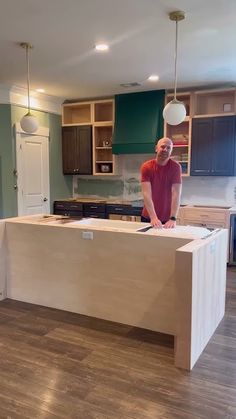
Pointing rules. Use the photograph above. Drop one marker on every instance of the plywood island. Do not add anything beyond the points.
(169, 281)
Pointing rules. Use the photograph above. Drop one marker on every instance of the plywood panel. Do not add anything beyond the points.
(126, 278)
(200, 295)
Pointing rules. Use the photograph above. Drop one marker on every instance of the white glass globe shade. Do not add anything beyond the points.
(29, 123)
(174, 112)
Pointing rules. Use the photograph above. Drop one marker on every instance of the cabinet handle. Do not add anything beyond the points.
(118, 209)
(93, 206)
(198, 170)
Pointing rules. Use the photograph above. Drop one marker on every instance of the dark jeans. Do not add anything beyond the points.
(144, 219)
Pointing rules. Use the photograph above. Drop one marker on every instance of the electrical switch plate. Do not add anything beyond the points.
(213, 247)
(88, 235)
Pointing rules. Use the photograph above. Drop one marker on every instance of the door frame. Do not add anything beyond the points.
(41, 132)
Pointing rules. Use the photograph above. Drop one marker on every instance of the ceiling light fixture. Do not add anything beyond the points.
(153, 77)
(174, 112)
(28, 123)
(40, 90)
(101, 47)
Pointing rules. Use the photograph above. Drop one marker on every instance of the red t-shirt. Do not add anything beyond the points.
(161, 179)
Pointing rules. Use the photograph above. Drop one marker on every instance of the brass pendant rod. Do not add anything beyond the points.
(27, 46)
(28, 79)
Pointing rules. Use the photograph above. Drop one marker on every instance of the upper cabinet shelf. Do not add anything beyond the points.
(103, 112)
(77, 113)
(99, 112)
(214, 103)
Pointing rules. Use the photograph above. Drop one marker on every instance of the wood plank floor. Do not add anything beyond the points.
(55, 364)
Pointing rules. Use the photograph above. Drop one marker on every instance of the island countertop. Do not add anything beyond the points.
(165, 281)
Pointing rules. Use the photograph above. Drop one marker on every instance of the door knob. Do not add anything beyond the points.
(45, 199)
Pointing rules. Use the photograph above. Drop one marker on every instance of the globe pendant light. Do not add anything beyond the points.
(174, 112)
(29, 122)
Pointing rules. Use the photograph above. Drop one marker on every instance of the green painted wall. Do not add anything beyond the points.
(7, 192)
(60, 186)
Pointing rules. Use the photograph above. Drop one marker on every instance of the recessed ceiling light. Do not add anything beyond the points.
(153, 77)
(40, 90)
(101, 47)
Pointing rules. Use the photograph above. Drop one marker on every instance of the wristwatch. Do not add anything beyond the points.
(173, 218)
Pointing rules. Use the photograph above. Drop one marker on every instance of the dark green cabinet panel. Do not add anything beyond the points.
(77, 150)
(138, 122)
(213, 146)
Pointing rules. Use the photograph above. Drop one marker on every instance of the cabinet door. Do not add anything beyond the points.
(69, 149)
(84, 137)
(202, 131)
(77, 150)
(223, 146)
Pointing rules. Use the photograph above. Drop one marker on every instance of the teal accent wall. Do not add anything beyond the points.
(60, 186)
(138, 122)
(7, 192)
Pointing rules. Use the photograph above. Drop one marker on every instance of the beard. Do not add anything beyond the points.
(163, 155)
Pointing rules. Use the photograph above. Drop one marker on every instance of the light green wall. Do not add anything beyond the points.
(60, 186)
(7, 192)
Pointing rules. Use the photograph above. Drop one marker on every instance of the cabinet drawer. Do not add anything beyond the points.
(66, 205)
(91, 214)
(205, 216)
(94, 207)
(123, 210)
(73, 214)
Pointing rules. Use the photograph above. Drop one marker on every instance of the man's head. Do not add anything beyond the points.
(164, 149)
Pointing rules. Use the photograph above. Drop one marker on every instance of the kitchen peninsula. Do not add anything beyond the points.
(169, 281)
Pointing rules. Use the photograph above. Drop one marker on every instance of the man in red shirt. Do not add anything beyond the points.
(161, 187)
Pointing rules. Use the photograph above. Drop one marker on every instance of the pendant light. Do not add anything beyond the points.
(29, 122)
(174, 112)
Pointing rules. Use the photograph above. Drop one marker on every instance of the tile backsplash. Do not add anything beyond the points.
(196, 190)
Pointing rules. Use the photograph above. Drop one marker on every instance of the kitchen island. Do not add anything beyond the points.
(169, 281)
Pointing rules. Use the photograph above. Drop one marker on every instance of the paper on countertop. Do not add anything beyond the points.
(188, 232)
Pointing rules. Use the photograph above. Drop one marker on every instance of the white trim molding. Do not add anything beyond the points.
(16, 95)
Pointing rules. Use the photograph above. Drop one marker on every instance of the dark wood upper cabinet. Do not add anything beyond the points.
(77, 150)
(213, 146)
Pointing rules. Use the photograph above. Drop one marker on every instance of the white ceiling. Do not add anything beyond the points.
(141, 39)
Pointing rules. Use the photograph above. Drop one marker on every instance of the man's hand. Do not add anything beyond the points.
(170, 224)
(155, 222)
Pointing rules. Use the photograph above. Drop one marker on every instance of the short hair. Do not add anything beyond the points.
(164, 138)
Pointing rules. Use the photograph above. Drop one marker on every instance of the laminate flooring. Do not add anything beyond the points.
(55, 364)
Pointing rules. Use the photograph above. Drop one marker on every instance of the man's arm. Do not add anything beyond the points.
(175, 203)
(148, 202)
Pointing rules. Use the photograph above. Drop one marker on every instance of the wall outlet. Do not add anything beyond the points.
(88, 235)
(213, 247)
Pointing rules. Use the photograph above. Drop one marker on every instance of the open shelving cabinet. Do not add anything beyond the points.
(100, 115)
(181, 134)
(214, 103)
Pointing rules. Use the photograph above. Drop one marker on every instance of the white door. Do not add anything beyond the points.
(32, 165)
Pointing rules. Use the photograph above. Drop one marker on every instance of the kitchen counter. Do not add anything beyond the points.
(159, 280)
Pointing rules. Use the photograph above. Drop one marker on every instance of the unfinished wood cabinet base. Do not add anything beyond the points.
(173, 285)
